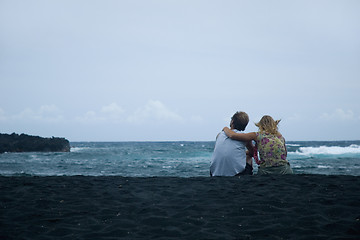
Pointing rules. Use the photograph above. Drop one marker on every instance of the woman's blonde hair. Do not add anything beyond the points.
(268, 124)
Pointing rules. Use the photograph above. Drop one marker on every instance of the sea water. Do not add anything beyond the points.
(178, 159)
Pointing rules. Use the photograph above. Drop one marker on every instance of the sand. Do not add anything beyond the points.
(249, 207)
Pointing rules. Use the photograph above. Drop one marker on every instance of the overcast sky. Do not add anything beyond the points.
(178, 70)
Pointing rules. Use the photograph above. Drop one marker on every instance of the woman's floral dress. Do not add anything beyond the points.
(271, 149)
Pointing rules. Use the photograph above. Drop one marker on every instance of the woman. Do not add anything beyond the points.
(270, 144)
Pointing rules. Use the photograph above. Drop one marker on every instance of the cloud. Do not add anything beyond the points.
(339, 114)
(113, 110)
(89, 117)
(48, 113)
(2, 115)
(154, 110)
(196, 119)
(294, 117)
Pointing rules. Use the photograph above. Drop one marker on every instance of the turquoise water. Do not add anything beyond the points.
(178, 159)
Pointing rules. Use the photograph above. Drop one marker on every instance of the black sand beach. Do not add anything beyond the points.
(250, 207)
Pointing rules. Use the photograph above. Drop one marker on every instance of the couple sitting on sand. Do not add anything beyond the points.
(230, 157)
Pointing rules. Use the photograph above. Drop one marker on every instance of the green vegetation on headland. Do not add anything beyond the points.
(26, 143)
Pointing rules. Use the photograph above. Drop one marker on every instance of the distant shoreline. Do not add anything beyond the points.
(28, 143)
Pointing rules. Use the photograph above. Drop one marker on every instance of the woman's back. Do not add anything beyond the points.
(272, 149)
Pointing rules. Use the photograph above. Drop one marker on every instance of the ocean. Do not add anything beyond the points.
(176, 159)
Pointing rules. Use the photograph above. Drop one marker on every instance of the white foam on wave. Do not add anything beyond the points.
(324, 166)
(78, 149)
(293, 145)
(326, 150)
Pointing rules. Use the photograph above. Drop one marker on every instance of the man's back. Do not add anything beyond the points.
(229, 157)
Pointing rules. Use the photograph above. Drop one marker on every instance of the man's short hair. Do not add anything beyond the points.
(240, 120)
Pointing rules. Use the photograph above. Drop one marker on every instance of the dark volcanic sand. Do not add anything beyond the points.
(250, 207)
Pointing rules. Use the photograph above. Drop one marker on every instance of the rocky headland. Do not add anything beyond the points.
(27, 143)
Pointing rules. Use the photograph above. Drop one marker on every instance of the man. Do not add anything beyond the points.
(230, 157)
